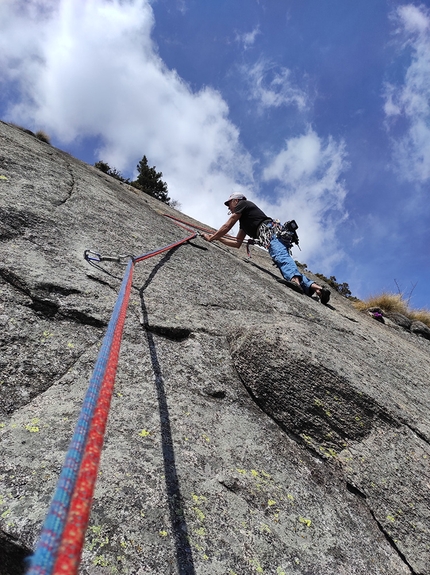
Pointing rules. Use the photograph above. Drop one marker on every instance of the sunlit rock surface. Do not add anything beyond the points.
(252, 429)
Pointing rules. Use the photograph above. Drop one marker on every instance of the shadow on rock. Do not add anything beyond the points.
(184, 555)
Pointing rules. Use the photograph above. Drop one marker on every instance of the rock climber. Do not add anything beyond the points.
(254, 223)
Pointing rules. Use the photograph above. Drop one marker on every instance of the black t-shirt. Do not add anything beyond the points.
(251, 217)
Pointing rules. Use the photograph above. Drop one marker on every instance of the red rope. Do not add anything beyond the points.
(179, 222)
(70, 549)
(72, 541)
(161, 250)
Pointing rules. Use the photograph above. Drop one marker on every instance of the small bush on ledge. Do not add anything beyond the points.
(43, 137)
(394, 303)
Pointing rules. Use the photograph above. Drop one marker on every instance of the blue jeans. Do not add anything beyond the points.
(281, 256)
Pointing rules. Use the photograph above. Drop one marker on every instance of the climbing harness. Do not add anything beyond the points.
(286, 233)
(60, 545)
(265, 233)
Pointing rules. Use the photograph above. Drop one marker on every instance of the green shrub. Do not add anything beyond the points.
(102, 166)
(342, 288)
(113, 172)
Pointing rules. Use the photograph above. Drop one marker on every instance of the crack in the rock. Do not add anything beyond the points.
(71, 185)
(415, 431)
(229, 484)
(215, 393)
(392, 543)
(13, 280)
(12, 555)
(56, 289)
(45, 306)
(358, 493)
(169, 332)
(82, 318)
(350, 318)
(355, 491)
(48, 306)
(100, 281)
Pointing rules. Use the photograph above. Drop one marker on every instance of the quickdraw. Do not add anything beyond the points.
(91, 256)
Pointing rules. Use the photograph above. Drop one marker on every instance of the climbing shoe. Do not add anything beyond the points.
(325, 296)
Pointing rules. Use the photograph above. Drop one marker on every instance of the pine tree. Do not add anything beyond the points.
(150, 182)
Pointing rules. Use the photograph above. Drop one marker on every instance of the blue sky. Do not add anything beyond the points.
(317, 111)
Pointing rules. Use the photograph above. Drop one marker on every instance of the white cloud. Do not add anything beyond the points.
(307, 175)
(410, 99)
(248, 39)
(271, 86)
(182, 6)
(91, 69)
(413, 19)
(87, 69)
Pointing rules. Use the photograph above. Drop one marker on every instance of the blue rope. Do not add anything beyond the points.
(42, 562)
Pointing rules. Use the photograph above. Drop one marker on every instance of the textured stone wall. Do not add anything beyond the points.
(252, 429)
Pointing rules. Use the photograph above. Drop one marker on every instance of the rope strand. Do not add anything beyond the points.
(69, 553)
(42, 562)
(60, 545)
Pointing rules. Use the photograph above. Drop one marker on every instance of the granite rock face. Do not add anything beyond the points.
(420, 328)
(252, 429)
